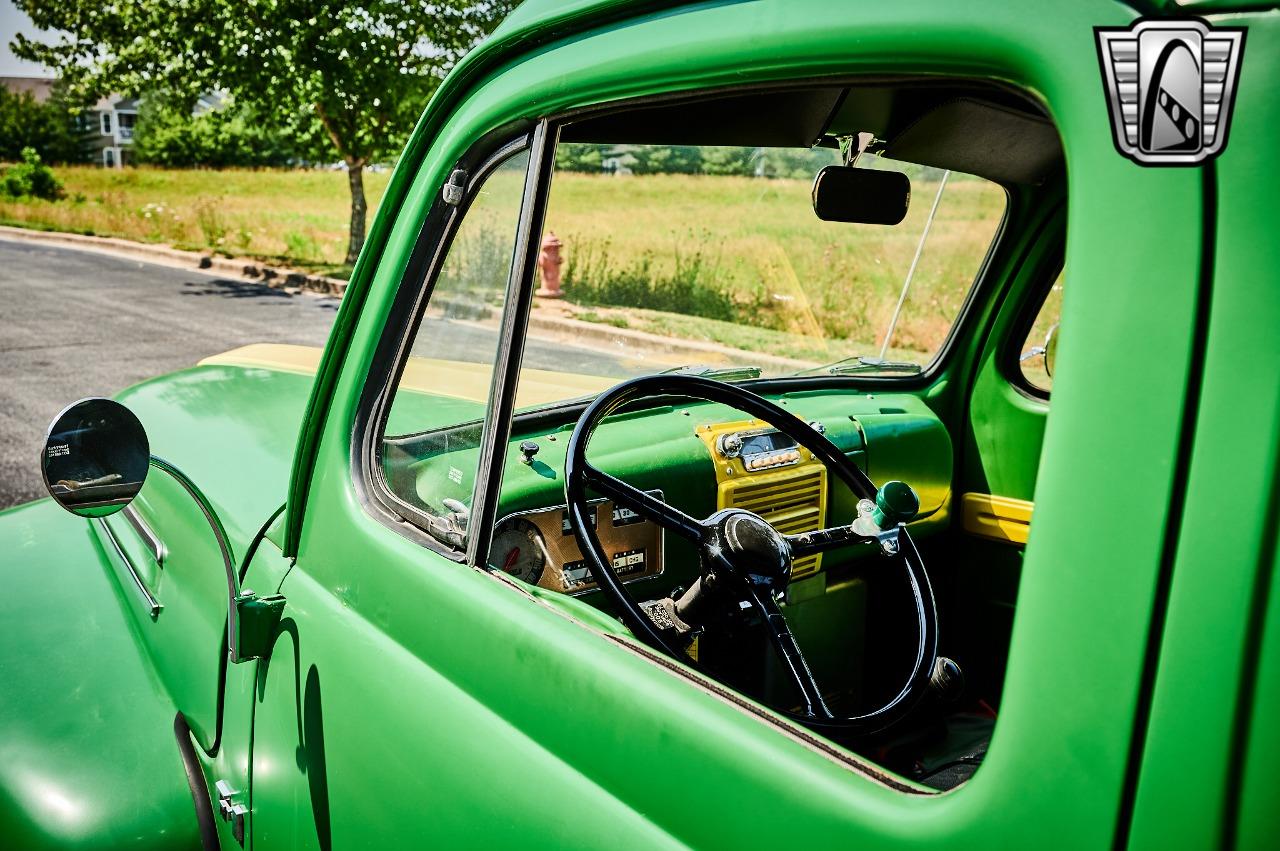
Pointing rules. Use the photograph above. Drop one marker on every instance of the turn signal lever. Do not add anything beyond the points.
(947, 680)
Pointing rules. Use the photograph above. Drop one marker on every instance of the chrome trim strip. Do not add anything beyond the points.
(224, 546)
(153, 605)
(150, 538)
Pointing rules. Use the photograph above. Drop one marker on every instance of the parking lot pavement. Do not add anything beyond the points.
(75, 324)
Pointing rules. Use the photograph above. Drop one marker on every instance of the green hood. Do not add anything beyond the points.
(233, 430)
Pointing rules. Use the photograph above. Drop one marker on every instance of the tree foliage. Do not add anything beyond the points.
(691, 159)
(168, 134)
(49, 128)
(30, 179)
(364, 70)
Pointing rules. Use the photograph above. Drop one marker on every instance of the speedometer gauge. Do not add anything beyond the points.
(518, 549)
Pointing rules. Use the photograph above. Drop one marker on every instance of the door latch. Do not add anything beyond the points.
(231, 809)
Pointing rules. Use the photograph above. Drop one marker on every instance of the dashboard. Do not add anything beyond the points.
(703, 458)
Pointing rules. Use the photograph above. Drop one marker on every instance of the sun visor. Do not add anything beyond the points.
(981, 138)
(781, 119)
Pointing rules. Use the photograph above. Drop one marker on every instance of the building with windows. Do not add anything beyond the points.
(109, 128)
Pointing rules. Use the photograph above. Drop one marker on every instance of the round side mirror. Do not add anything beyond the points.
(95, 458)
(1050, 350)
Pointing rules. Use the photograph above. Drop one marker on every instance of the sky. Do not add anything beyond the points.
(13, 21)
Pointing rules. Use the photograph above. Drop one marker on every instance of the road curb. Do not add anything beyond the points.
(575, 331)
(164, 255)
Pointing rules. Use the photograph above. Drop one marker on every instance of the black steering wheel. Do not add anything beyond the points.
(744, 559)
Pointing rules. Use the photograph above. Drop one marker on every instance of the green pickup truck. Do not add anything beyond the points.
(899, 468)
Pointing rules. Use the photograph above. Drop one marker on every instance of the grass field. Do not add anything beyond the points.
(730, 251)
(824, 289)
(294, 217)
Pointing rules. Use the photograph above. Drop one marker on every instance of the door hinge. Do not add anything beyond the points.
(256, 622)
(231, 809)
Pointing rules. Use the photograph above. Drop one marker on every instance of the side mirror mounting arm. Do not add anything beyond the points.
(251, 620)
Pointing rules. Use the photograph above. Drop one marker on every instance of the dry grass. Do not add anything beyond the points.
(299, 217)
(820, 280)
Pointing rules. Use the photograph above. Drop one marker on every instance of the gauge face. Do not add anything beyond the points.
(518, 549)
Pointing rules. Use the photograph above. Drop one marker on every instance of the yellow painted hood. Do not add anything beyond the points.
(455, 379)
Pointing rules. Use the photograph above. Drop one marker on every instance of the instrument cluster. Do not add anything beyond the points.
(538, 547)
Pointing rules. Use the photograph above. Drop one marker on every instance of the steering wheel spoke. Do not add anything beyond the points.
(788, 652)
(820, 540)
(646, 504)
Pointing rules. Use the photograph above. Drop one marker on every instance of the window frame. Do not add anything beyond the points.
(413, 294)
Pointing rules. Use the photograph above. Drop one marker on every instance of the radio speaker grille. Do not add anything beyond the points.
(791, 500)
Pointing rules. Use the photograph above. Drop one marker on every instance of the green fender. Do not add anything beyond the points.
(88, 754)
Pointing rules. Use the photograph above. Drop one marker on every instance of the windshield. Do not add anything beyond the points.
(711, 260)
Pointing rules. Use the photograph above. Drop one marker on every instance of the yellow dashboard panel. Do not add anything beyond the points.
(761, 470)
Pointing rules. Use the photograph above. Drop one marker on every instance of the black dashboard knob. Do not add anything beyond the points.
(528, 449)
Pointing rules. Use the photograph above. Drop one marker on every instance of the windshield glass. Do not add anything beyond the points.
(712, 260)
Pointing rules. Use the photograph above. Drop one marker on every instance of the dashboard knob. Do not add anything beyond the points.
(528, 449)
(896, 503)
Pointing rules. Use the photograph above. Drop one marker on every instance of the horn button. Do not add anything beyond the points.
(748, 546)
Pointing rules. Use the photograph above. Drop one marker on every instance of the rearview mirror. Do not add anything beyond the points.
(95, 458)
(861, 195)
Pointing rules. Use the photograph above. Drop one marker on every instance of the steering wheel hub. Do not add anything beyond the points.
(749, 546)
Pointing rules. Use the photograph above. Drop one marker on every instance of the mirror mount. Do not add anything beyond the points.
(251, 620)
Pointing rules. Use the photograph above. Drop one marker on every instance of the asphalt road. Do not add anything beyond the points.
(76, 323)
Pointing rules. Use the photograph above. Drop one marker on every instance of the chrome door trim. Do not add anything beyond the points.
(152, 604)
(150, 538)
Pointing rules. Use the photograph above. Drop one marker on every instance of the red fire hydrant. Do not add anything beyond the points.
(549, 263)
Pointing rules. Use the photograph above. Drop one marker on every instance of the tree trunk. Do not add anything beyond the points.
(359, 208)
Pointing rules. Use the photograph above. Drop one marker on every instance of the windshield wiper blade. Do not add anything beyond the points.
(721, 373)
(865, 363)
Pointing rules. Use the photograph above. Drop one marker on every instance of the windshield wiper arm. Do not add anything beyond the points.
(864, 363)
(721, 373)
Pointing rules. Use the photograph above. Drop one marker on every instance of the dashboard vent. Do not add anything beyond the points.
(791, 500)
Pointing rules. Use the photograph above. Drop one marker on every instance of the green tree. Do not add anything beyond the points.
(668, 159)
(30, 178)
(578, 156)
(49, 128)
(363, 70)
(728, 161)
(231, 135)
